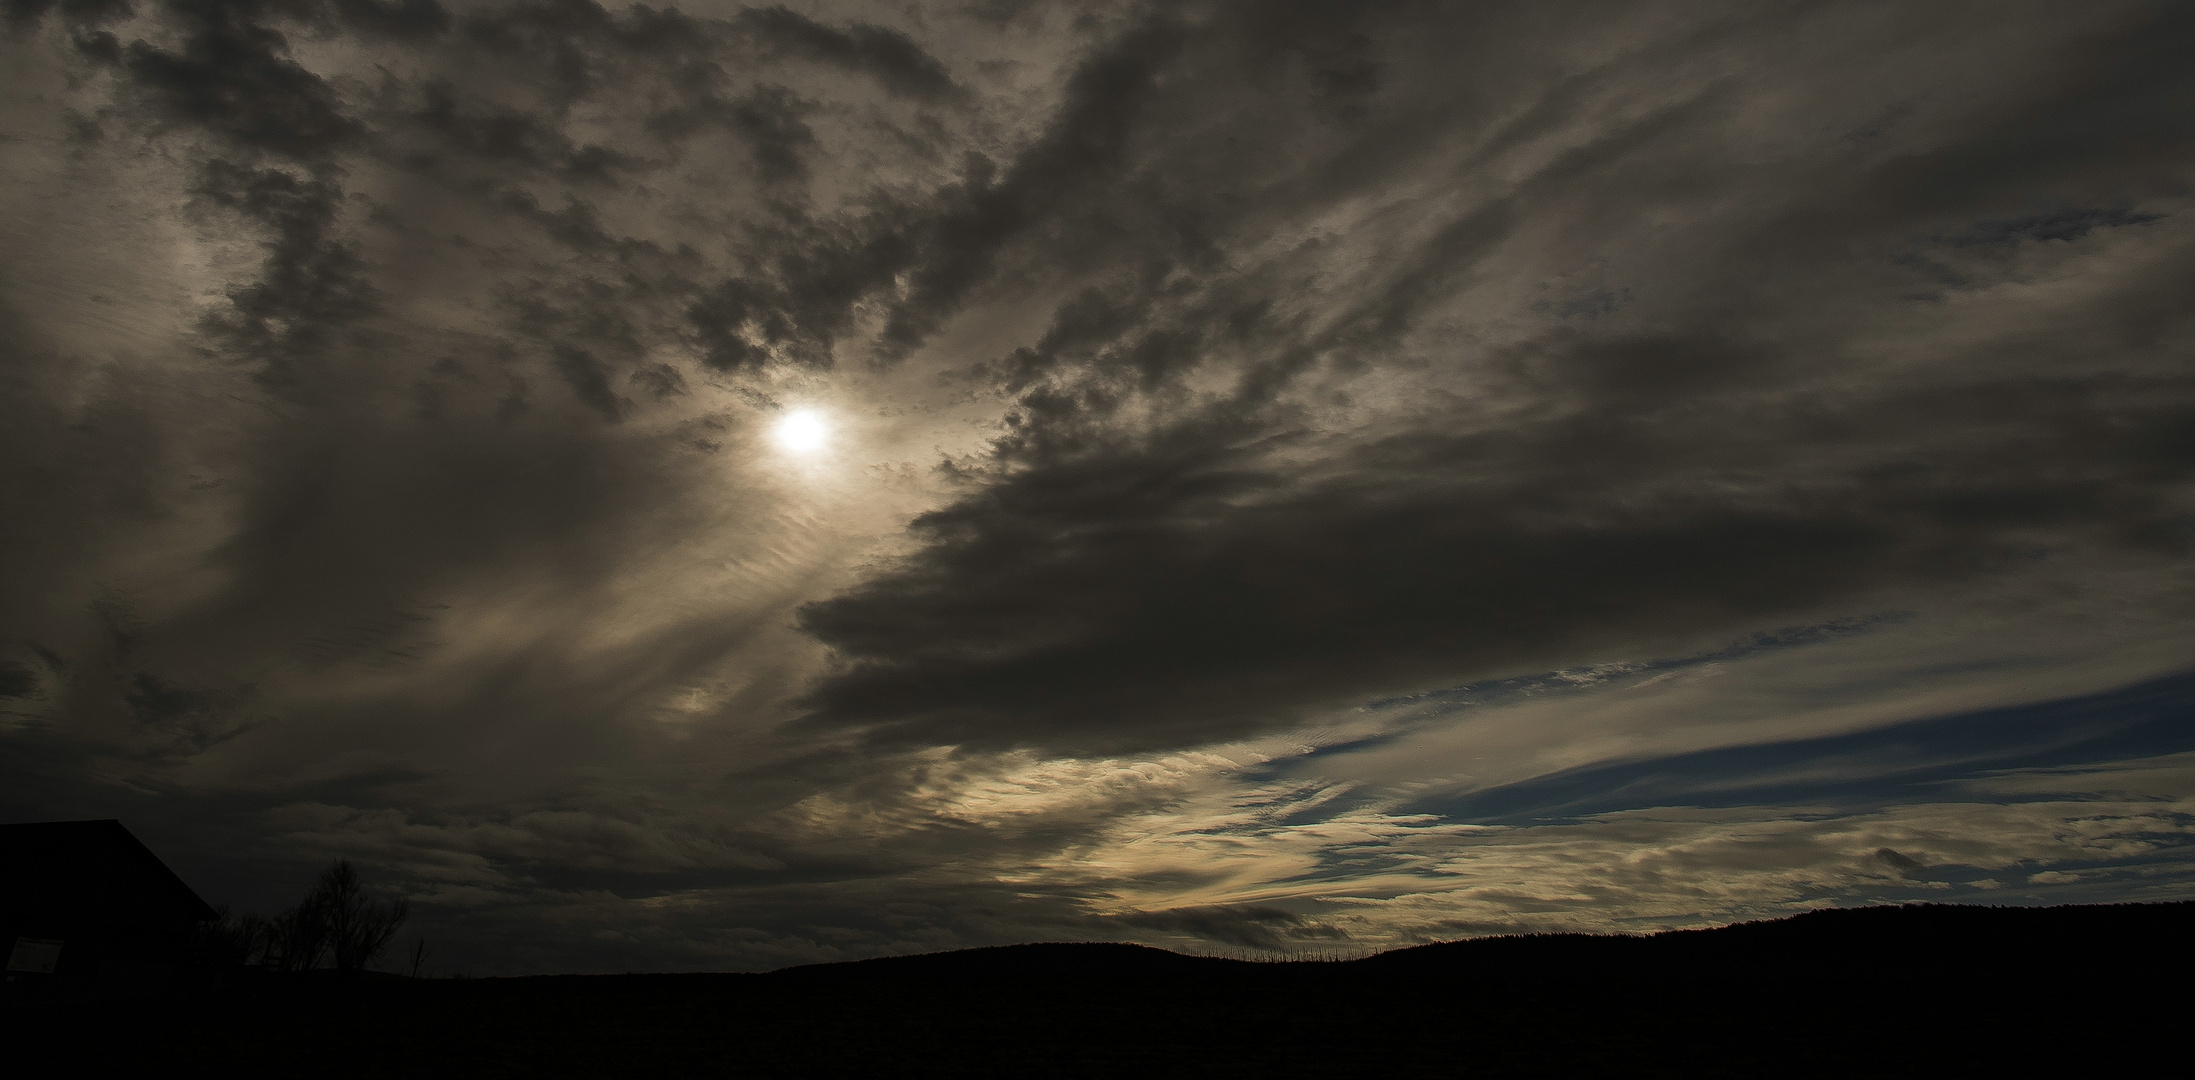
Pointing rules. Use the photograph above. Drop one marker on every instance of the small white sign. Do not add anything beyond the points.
(36, 955)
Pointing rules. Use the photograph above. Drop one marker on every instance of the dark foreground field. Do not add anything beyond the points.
(1913, 991)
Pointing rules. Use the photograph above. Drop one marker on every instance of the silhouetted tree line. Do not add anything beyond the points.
(335, 924)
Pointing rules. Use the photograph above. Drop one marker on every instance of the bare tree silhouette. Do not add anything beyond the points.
(297, 939)
(230, 941)
(336, 920)
(358, 926)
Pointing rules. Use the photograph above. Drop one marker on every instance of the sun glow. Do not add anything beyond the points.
(801, 431)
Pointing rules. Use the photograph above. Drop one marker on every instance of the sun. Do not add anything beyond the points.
(801, 431)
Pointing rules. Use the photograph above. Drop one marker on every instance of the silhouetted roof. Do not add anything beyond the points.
(91, 872)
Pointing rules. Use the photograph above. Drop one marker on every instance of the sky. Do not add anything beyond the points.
(710, 487)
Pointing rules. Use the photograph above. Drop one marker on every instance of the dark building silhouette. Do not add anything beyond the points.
(88, 911)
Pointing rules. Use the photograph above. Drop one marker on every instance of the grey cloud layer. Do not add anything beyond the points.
(388, 380)
(1807, 397)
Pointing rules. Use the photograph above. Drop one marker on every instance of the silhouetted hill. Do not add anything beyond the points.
(1909, 936)
(1851, 940)
(1890, 991)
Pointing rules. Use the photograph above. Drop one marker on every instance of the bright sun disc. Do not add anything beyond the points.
(801, 430)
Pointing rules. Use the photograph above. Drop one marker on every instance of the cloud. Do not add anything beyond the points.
(1303, 477)
(1900, 863)
(1183, 540)
(231, 75)
(881, 52)
(1249, 926)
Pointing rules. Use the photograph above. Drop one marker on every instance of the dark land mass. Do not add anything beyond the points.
(1885, 991)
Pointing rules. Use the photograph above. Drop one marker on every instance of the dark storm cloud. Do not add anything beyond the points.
(1901, 863)
(880, 52)
(796, 309)
(943, 250)
(312, 282)
(585, 374)
(16, 680)
(1113, 589)
(1133, 601)
(399, 20)
(278, 130)
(2059, 225)
(1080, 153)
(230, 74)
(503, 138)
(769, 117)
(232, 77)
